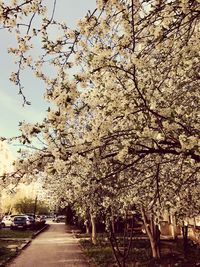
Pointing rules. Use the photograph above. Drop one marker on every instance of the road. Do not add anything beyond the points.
(52, 248)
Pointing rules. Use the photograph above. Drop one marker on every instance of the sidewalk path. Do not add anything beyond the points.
(53, 248)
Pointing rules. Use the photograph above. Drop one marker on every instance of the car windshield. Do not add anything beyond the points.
(19, 219)
(6, 218)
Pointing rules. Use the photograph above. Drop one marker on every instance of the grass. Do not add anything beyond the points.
(6, 253)
(16, 234)
(101, 255)
(173, 254)
(9, 249)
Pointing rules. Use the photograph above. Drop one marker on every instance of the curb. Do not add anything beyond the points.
(24, 246)
(40, 231)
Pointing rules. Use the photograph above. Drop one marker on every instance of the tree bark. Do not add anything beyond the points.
(153, 234)
(87, 229)
(194, 223)
(94, 230)
(87, 226)
(113, 222)
(173, 226)
(185, 236)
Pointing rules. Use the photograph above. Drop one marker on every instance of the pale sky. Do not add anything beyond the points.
(11, 110)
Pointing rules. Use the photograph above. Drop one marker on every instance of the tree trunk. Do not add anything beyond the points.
(87, 229)
(185, 237)
(87, 226)
(35, 206)
(94, 230)
(112, 222)
(155, 248)
(173, 227)
(153, 234)
(194, 223)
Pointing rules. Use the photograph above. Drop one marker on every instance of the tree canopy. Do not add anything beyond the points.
(123, 124)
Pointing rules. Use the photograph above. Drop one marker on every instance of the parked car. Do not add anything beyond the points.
(39, 219)
(32, 220)
(42, 218)
(21, 222)
(60, 218)
(7, 221)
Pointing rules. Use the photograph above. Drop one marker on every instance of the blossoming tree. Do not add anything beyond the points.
(124, 102)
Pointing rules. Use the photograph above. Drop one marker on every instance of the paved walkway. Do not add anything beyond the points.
(53, 248)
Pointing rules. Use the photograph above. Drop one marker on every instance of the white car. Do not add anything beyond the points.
(59, 218)
(7, 221)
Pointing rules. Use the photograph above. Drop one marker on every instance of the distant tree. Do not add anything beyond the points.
(29, 205)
